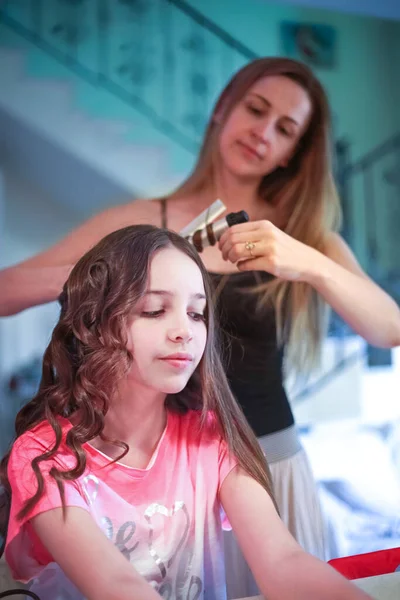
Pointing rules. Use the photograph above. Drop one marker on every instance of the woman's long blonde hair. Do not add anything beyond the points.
(306, 186)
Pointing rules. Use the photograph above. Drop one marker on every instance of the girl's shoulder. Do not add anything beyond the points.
(39, 439)
(200, 425)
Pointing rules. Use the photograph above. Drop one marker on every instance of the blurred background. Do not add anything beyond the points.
(103, 101)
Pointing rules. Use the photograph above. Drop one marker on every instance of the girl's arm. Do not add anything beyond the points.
(90, 560)
(283, 570)
(40, 279)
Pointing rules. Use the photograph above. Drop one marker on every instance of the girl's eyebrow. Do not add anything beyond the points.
(196, 296)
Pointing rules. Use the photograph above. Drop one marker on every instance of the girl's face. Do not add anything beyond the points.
(264, 128)
(167, 334)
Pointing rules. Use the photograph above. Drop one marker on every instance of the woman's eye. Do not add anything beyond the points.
(152, 314)
(285, 131)
(254, 110)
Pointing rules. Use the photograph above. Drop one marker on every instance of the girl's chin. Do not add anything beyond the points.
(173, 387)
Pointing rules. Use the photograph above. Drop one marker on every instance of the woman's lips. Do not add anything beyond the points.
(249, 151)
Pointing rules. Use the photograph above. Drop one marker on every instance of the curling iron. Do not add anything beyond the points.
(201, 232)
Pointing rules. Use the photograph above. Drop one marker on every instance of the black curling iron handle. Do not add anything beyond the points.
(237, 217)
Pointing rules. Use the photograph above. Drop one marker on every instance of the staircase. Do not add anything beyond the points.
(125, 86)
(97, 142)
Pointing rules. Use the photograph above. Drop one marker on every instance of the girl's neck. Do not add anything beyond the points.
(138, 419)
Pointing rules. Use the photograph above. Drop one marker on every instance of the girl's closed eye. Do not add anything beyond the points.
(152, 314)
(197, 316)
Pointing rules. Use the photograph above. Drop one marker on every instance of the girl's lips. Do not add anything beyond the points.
(178, 360)
(178, 356)
(177, 363)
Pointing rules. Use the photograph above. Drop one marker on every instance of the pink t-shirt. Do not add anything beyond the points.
(166, 519)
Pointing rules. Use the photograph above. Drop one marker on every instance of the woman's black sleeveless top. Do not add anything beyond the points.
(253, 360)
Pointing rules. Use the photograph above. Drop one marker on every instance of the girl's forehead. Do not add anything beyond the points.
(174, 271)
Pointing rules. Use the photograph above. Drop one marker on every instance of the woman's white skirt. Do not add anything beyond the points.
(297, 497)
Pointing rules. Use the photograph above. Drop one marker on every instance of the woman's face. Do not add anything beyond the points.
(264, 128)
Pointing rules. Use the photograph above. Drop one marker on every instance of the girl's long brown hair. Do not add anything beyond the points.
(305, 186)
(87, 357)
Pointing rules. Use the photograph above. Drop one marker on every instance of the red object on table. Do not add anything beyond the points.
(367, 565)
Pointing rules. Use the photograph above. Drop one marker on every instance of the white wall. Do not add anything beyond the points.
(32, 221)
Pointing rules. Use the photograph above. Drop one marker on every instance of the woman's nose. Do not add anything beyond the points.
(263, 131)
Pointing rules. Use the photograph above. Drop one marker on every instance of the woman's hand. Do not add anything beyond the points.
(260, 246)
(334, 274)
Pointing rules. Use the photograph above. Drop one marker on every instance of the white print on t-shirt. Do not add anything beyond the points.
(157, 540)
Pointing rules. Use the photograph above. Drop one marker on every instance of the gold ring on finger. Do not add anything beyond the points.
(250, 247)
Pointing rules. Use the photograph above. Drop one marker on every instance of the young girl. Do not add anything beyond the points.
(133, 443)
